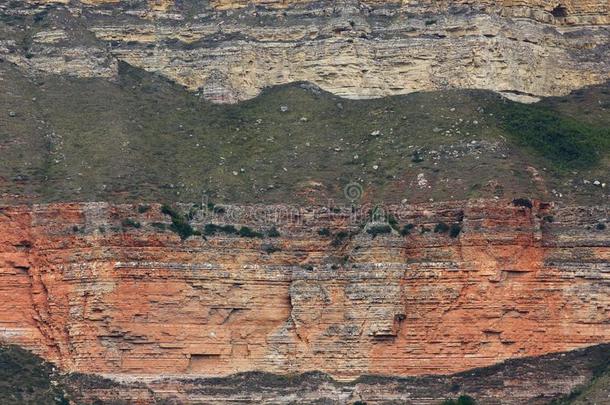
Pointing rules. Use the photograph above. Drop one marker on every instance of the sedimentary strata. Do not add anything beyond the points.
(229, 50)
(101, 288)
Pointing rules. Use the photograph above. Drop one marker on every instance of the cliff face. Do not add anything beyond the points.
(229, 52)
(102, 288)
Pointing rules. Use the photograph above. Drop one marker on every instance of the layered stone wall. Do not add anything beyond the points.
(92, 292)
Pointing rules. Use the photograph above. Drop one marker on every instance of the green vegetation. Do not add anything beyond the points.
(246, 232)
(27, 380)
(595, 391)
(522, 202)
(212, 229)
(142, 138)
(600, 226)
(382, 229)
(441, 227)
(143, 208)
(406, 230)
(324, 232)
(462, 400)
(455, 230)
(180, 224)
(273, 232)
(340, 238)
(565, 141)
(130, 223)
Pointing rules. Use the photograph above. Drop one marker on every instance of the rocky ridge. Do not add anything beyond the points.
(102, 288)
(228, 51)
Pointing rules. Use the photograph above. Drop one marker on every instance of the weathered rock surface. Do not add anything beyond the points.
(95, 293)
(532, 381)
(229, 52)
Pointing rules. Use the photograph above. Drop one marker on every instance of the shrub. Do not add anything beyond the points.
(324, 232)
(441, 227)
(143, 208)
(379, 230)
(130, 223)
(179, 224)
(229, 229)
(522, 202)
(455, 230)
(246, 232)
(159, 225)
(416, 158)
(600, 226)
(462, 400)
(548, 218)
(273, 232)
(339, 238)
(212, 229)
(406, 230)
(75, 228)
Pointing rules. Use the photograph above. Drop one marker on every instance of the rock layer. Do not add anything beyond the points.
(353, 49)
(100, 288)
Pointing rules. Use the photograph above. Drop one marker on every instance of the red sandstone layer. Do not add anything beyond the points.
(93, 295)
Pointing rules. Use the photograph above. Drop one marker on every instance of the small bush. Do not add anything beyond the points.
(339, 238)
(229, 229)
(246, 232)
(379, 230)
(441, 227)
(212, 229)
(462, 400)
(130, 223)
(273, 233)
(179, 224)
(522, 202)
(143, 208)
(455, 230)
(159, 225)
(600, 226)
(324, 232)
(549, 219)
(416, 158)
(75, 229)
(406, 230)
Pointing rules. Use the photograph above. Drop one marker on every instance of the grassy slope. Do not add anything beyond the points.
(26, 379)
(146, 139)
(596, 391)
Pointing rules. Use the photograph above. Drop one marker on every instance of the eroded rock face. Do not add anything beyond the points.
(93, 292)
(230, 50)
